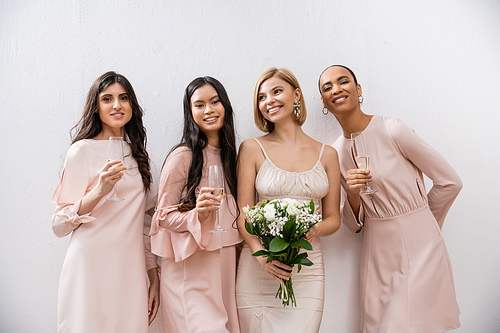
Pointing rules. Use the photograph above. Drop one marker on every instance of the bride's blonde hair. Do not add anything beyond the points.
(287, 76)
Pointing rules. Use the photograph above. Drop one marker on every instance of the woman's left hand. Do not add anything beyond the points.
(153, 294)
(313, 232)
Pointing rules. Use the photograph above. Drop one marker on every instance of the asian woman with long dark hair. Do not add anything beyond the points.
(199, 267)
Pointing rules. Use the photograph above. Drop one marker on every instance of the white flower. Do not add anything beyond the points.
(246, 209)
(290, 202)
(292, 210)
(269, 212)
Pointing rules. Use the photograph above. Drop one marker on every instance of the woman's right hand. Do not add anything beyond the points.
(278, 270)
(206, 203)
(356, 179)
(109, 176)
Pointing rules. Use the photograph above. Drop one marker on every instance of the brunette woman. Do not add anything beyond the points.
(103, 286)
(406, 277)
(198, 267)
(284, 163)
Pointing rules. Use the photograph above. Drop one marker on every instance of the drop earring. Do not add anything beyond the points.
(296, 108)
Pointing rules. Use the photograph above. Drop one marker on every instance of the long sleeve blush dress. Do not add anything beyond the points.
(405, 274)
(198, 267)
(259, 310)
(103, 285)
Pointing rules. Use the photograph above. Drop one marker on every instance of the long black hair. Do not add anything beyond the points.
(196, 141)
(90, 125)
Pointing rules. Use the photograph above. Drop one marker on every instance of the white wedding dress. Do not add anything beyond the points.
(258, 309)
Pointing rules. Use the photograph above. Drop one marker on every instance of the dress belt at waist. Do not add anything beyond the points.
(424, 210)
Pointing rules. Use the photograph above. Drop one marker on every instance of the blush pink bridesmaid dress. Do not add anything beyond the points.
(406, 278)
(198, 271)
(103, 285)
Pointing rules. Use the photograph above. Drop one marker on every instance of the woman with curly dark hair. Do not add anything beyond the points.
(103, 286)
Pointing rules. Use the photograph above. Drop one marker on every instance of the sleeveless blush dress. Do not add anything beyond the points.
(258, 309)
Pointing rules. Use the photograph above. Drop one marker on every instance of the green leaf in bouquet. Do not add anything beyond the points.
(293, 234)
(249, 228)
(265, 240)
(289, 228)
(261, 253)
(303, 244)
(301, 259)
(306, 262)
(277, 245)
(311, 205)
(257, 230)
(283, 257)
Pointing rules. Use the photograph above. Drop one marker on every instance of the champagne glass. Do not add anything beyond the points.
(216, 182)
(115, 152)
(362, 157)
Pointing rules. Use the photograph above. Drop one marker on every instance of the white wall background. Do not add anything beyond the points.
(434, 64)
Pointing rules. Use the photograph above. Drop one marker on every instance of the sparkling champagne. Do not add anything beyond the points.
(363, 162)
(219, 192)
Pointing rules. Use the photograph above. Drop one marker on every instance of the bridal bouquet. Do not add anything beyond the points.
(281, 226)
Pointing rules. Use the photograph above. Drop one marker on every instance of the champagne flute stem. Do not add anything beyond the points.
(217, 222)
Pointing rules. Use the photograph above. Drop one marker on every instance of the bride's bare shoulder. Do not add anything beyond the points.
(249, 147)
